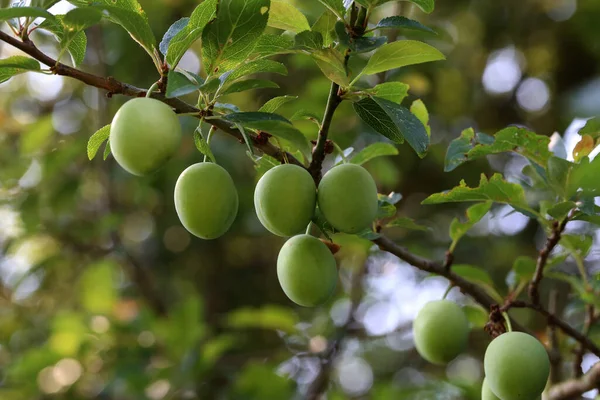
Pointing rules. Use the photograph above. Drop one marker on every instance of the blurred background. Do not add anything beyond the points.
(104, 295)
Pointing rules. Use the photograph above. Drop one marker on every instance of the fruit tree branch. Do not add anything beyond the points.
(573, 388)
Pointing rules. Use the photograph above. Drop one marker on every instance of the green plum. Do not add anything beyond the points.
(285, 199)
(441, 331)
(486, 392)
(516, 366)
(144, 134)
(347, 197)
(206, 200)
(306, 270)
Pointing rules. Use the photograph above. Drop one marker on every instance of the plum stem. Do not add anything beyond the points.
(151, 89)
(448, 290)
(507, 319)
(340, 152)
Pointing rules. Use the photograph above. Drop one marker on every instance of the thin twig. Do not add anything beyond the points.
(587, 324)
(554, 353)
(573, 388)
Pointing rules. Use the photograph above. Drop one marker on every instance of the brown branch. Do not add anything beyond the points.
(551, 242)
(113, 86)
(576, 387)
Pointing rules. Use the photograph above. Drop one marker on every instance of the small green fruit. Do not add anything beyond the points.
(347, 198)
(285, 199)
(306, 270)
(516, 366)
(206, 200)
(441, 331)
(144, 134)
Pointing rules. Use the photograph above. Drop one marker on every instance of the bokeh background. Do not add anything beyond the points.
(104, 295)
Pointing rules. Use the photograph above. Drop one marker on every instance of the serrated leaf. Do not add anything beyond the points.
(592, 128)
(178, 84)
(406, 223)
(106, 150)
(202, 145)
(308, 40)
(254, 67)
(96, 140)
(474, 214)
(394, 122)
(392, 91)
(583, 148)
(283, 15)
(335, 6)
(331, 63)
(74, 42)
(561, 210)
(230, 38)
(181, 42)
(249, 84)
(173, 30)
(495, 189)
(399, 22)
(470, 146)
(15, 65)
(420, 111)
(524, 268)
(269, 45)
(274, 124)
(18, 12)
(372, 151)
(399, 54)
(272, 105)
(325, 25)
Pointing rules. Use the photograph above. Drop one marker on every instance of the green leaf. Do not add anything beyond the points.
(394, 122)
(181, 42)
(583, 148)
(283, 15)
(420, 111)
(308, 115)
(577, 244)
(372, 151)
(331, 63)
(558, 172)
(425, 5)
(361, 44)
(400, 54)
(592, 128)
(474, 214)
(308, 40)
(249, 84)
(254, 67)
(584, 176)
(267, 317)
(15, 65)
(272, 105)
(178, 84)
(406, 223)
(325, 25)
(385, 210)
(202, 145)
(264, 164)
(269, 45)
(495, 189)
(210, 86)
(106, 150)
(17, 12)
(476, 315)
(470, 146)
(74, 42)
(561, 210)
(96, 140)
(230, 38)
(399, 22)
(524, 268)
(82, 18)
(473, 274)
(335, 6)
(274, 124)
(173, 30)
(392, 91)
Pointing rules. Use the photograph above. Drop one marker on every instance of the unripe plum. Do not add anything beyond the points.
(347, 197)
(440, 331)
(206, 200)
(306, 270)
(144, 134)
(516, 366)
(486, 392)
(285, 199)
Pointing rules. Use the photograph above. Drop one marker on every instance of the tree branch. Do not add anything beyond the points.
(575, 387)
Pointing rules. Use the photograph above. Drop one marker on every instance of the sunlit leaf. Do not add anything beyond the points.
(96, 140)
(284, 15)
(474, 214)
(331, 63)
(406, 223)
(399, 54)
(392, 91)
(15, 65)
(325, 25)
(273, 105)
(249, 84)
(420, 111)
(17, 12)
(372, 151)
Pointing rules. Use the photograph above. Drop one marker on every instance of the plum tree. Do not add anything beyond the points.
(206, 200)
(516, 366)
(347, 197)
(306, 270)
(144, 134)
(285, 199)
(441, 331)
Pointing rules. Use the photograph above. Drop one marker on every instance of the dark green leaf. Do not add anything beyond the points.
(359, 44)
(495, 189)
(561, 210)
(202, 145)
(577, 244)
(399, 22)
(226, 107)
(283, 15)
(254, 67)
(15, 65)
(406, 223)
(230, 38)
(394, 122)
(558, 174)
(272, 105)
(74, 42)
(372, 151)
(82, 18)
(17, 12)
(173, 30)
(335, 6)
(308, 40)
(178, 84)
(399, 54)
(474, 214)
(325, 25)
(210, 86)
(392, 91)
(385, 210)
(181, 42)
(96, 140)
(592, 128)
(249, 84)
(331, 63)
(473, 274)
(269, 45)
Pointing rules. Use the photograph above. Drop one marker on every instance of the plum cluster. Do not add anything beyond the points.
(145, 133)
(516, 364)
